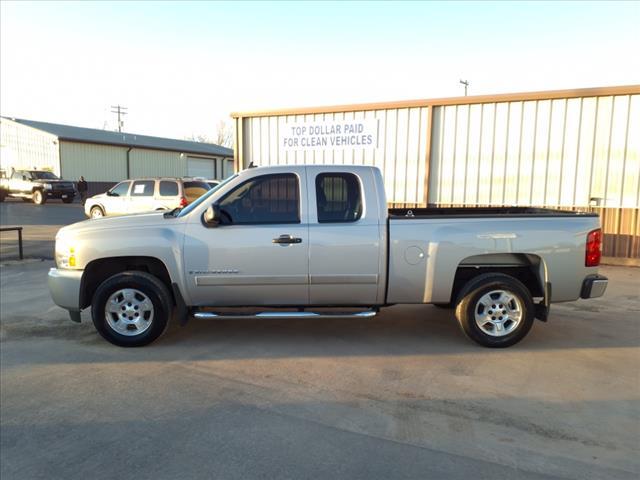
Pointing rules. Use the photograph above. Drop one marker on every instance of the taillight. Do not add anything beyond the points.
(594, 248)
(183, 202)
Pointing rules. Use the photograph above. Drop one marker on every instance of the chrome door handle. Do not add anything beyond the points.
(286, 239)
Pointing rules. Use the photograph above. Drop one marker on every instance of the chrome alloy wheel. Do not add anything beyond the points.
(129, 312)
(498, 313)
(96, 213)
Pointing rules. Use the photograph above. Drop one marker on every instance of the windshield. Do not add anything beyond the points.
(44, 176)
(203, 198)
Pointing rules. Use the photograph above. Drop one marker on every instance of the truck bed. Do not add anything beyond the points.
(512, 212)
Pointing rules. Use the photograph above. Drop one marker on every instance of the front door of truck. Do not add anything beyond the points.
(116, 200)
(258, 254)
(346, 238)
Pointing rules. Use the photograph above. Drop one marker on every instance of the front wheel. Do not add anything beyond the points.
(38, 197)
(131, 309)
(495, 310)
(96, 212)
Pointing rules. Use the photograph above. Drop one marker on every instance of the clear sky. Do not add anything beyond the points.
(181, 67)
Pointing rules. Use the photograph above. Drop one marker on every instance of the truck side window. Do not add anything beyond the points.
(338, 198)
(168, 188)
(120, 190)
(263, 200)
(143, 188)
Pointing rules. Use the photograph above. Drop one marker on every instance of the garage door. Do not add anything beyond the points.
(201, 167)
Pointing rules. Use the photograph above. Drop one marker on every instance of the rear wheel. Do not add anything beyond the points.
(495, 310)
(38, 197)
(2, 195)
(131, 309)
(96, 212)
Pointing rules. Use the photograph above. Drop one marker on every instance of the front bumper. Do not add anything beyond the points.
(594, 286)
(64, 286)
(60, 193)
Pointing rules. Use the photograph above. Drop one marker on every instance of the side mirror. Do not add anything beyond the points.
(110, 193)
(212, 216)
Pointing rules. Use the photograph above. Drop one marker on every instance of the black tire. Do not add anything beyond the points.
(2, 196)
(67, 200)
(96, 209)
(468, 303)
(152, 288)
(39, 198)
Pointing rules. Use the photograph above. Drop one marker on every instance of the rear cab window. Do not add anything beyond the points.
(338, 197)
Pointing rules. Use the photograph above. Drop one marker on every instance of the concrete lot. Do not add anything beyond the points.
(404, 395)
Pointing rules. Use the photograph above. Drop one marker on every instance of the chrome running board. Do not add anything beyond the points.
(315, 315)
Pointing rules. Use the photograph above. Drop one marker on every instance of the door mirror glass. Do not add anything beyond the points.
(212, 216)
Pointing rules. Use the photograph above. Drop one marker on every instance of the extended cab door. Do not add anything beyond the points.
(258, 254)
(346, 257)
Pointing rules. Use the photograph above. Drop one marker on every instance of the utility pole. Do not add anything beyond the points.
(121, 111)
(466, 84)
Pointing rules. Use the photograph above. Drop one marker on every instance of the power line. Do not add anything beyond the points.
(121, 111)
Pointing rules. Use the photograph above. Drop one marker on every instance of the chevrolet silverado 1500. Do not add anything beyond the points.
(292, 241)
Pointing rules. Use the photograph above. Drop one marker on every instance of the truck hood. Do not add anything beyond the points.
(137, 221)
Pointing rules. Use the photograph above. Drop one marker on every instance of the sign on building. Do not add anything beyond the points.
(334, 135)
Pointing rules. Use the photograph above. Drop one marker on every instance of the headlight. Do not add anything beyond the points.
(47, 186)
(65, 256)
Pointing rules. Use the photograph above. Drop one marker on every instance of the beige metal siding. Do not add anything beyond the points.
(400, 153)
(567, 149)
(156, 163)
(97, 163)
(23, 147)
(555, 153)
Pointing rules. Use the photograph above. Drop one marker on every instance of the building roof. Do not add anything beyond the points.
(105, 137)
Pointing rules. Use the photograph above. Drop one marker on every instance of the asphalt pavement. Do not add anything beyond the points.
(39, 226)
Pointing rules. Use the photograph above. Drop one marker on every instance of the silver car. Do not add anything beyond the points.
(145, 195)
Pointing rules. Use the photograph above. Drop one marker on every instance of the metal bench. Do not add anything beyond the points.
(19, 230)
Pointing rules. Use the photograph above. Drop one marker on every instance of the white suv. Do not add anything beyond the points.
(145, 195)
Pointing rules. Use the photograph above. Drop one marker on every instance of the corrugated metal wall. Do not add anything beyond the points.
(572, 149)
(22, 147)
(400, 153)
(106, 163)
(553, 153)
(97, 163)
(156, 163)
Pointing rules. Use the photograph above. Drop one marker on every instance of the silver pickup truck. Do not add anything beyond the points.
(316, 242)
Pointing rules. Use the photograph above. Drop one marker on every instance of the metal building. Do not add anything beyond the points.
(572, 149)
(105, 157)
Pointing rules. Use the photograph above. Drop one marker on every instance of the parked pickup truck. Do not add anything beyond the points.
(290, 241)
(36, 186)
